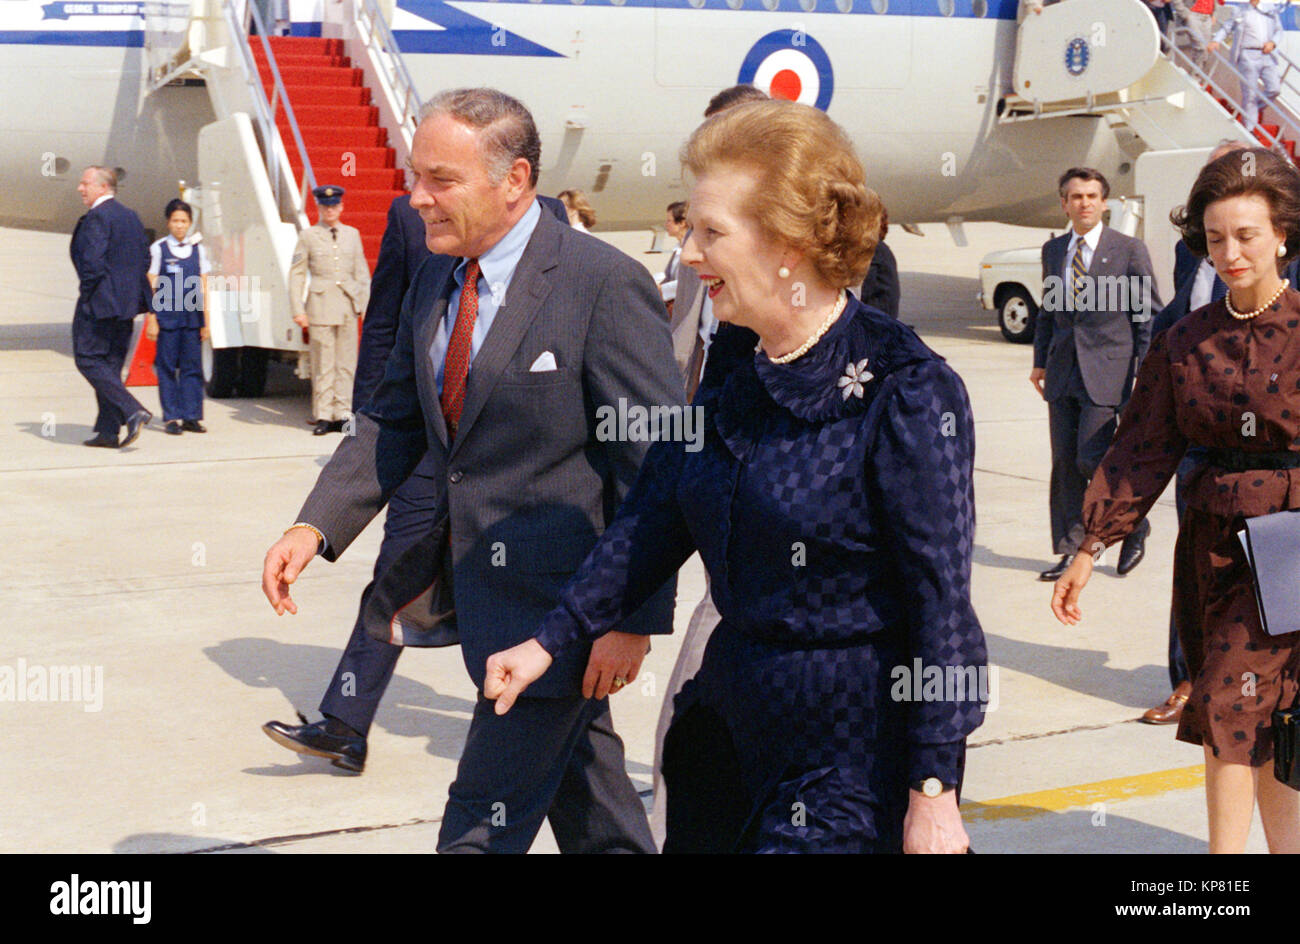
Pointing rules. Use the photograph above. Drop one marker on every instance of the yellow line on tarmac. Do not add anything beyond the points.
(1026, 805)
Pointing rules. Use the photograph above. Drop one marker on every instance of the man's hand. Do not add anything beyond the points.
(511, 671)
(1268, 47)
(1212, 47)
(300, 320)
(614, 657)
(151, 328)
(1038, 377)
(933, 825)
(284, 562)
(204, 333)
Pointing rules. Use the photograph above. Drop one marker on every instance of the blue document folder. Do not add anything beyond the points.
(1272, 544)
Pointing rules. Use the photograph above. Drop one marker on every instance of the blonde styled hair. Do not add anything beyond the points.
(576, 201)
(811, 191)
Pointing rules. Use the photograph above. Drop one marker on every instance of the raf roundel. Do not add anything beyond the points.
(792, 65)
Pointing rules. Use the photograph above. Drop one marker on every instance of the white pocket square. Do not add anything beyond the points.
(545, 361)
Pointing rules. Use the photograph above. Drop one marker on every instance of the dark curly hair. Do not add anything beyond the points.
(1244, 173)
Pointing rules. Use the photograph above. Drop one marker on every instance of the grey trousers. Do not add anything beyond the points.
(1081, 432)
(549, 758)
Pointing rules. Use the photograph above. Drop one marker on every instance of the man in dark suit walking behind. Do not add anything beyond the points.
(110, 252)
(1093, 330)
(504, 360)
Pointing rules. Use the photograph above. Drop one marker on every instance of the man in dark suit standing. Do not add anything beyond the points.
(110, 252)
(559, 328)
(367, 664)
(1093, 330)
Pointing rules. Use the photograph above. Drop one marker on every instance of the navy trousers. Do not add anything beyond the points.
(178, 362)
(99, 349)
(367, 664)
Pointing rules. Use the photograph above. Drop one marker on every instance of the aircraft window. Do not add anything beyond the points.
(880, 6)
(697, 3)
(808, 5)
(736, 4)
(844, 6)
(947, 7)
(980, 8)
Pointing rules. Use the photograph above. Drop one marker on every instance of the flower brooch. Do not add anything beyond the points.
(855, 375)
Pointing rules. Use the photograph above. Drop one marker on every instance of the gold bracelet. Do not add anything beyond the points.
(320, 538)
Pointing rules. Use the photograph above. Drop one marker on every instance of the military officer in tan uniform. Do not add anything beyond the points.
(334, 299)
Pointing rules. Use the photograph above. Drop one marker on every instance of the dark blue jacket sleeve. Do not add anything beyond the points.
(387, 288)
(642, 548)
(924, 463)
(91, 258)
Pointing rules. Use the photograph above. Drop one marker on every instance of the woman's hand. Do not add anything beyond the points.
(1065, 596)
(933, 825)
(151, 328)
(511, 671)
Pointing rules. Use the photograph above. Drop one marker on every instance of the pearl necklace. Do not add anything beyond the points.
(1247, 315)
(804, 348)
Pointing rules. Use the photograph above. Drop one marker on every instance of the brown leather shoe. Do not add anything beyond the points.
(1169, 712)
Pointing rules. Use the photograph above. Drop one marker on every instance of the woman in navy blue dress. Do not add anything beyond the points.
(832, 504)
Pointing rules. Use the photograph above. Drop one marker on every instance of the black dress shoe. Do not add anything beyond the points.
(173, 427)
(193, 426)
(1054, 573)
(322, 427)
(134, 423)
(100, 439)
(329, 738)
(1133, 549)
(337, 426)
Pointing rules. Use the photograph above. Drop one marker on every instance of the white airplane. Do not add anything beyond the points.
(959, 112)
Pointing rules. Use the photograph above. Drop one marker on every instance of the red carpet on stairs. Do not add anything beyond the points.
(345, 144)
(340, 129)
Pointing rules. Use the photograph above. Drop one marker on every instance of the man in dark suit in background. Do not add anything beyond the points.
(1093, 330)
(880, 287)
(559, 327)
(367, 664)
(110, 252)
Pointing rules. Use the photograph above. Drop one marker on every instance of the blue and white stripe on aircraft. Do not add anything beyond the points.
(452, 31)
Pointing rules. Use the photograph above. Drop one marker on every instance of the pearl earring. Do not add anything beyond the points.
(1281, 250)
(783, 272)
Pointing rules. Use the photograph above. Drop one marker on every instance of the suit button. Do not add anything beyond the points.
(455, 477)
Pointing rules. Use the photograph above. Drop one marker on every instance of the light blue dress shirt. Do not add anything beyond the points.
(496, 269)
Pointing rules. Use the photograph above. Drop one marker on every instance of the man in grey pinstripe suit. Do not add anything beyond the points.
(554, 325)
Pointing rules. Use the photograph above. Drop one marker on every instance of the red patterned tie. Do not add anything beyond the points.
(456, 367)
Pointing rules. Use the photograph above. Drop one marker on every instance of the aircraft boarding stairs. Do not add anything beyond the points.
(291, 113)
(1106, 59)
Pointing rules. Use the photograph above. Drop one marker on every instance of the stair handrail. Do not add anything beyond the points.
(379, 37)
(266, 109)
(1286, 120)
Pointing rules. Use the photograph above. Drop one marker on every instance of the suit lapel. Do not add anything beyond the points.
(528, 289)
(424, 332)
(1101, 255)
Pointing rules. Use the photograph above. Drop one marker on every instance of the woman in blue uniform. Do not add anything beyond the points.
(178, 275)
(833, 507)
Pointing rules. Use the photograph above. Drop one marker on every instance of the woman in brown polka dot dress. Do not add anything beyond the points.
(1226, 377)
